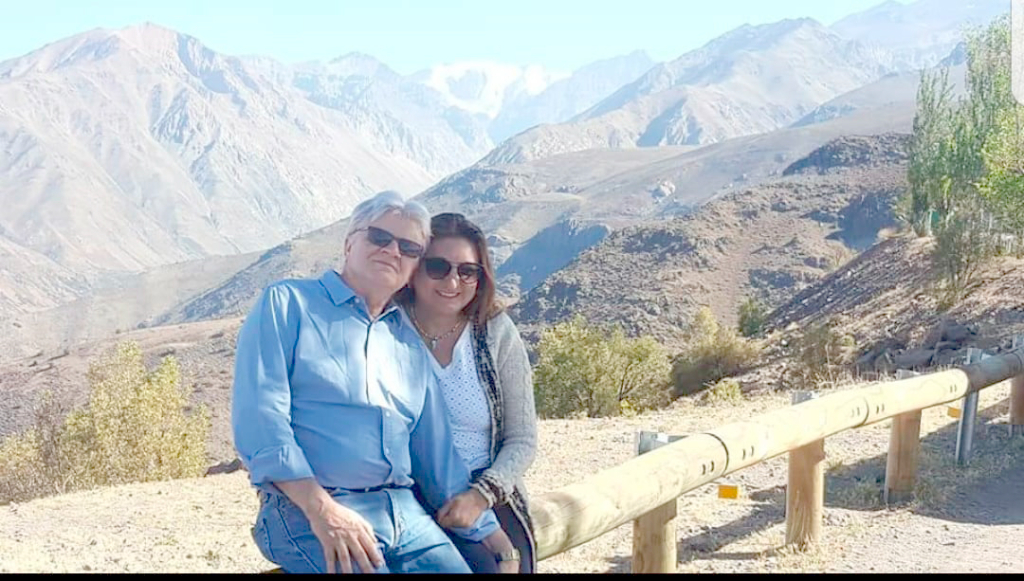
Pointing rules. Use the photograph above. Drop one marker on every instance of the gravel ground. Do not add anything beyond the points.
(961, 522)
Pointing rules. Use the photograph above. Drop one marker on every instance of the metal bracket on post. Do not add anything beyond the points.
(647, 441)
(965, 431)
(802, 396)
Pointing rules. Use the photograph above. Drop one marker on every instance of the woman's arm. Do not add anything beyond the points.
(518, 443)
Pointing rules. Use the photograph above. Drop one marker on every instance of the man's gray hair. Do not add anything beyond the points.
(370, 210)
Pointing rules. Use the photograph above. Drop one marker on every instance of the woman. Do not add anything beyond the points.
(485, 376)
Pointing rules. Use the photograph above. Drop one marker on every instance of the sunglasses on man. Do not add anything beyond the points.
(383, 238)
(438, 268)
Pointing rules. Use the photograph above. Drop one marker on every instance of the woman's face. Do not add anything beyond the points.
(448, 276)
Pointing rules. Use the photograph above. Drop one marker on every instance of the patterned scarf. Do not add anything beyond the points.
(489, 378)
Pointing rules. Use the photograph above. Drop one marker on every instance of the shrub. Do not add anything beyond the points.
(584, 370)
(725, 391)
(963, 243)
(136, 428)
(712, 353)
(822, 354)
(752, 315)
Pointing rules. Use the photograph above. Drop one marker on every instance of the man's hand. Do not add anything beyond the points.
(343, 533)
(345, 537)
(498, 542)
(462, 510)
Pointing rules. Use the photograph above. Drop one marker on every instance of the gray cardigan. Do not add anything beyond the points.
(514, 449)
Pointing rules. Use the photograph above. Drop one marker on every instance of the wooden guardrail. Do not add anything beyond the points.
(644, 489)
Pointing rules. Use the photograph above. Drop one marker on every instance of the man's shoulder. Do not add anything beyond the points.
(295, 286)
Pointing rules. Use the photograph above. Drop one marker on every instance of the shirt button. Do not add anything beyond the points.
(387, 450)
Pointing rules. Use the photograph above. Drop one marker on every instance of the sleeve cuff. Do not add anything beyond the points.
(278, 464)
(492, 490)
(484, 492)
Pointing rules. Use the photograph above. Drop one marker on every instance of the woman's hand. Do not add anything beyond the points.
(462, 510)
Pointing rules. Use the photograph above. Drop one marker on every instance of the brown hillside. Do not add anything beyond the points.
(770, 242)
(886, 297)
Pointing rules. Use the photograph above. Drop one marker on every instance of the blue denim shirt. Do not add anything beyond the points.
(321, 391)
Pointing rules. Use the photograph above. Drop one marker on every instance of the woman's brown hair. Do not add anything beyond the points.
(485, 304)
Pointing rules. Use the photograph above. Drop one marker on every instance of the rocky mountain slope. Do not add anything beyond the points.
(751, 80)
(886, 300)
(199, 154)
(895, 92)
(569, 201)
(569, 96)
(509, 99)
(767, 241)
(920, 33)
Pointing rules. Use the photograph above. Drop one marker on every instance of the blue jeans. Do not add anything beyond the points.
(408, 538)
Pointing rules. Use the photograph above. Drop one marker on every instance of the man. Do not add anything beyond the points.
(336, 413)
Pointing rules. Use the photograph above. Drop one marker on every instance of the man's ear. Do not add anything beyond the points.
(348, 246)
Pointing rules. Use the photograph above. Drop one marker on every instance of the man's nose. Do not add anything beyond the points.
(392, 248)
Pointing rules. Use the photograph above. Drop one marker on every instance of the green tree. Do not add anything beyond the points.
(928, 149)
(1003, 184)
(965, 159)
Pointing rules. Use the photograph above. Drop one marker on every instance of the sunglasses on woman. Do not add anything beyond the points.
(438, 268)
(383, 238)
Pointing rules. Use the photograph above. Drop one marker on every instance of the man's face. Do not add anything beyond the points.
(385, 267)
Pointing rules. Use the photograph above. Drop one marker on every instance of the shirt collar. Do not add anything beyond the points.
(341, 293)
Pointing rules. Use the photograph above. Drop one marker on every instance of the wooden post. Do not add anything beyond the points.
(805, 491)
(654, 541)
(654, 533)
(1017, 397)
(904, 453)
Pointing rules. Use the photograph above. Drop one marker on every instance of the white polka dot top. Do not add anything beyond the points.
(468, 412)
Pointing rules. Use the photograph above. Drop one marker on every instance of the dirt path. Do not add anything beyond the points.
(965, 519)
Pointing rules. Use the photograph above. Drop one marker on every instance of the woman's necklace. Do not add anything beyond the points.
(431, 339)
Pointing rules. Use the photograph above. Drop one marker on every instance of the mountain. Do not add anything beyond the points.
(768, 241)
(540, 215)
(750, 80)
(567, 97)
(893, 92)
(920, 33)
(484, 87)
(134, 148)
(30, 281)
(390, 112)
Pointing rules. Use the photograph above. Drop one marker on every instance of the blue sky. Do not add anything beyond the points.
(411, 35)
